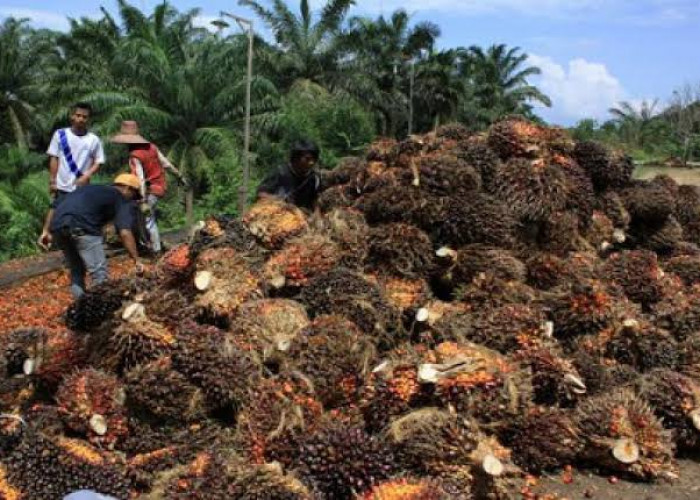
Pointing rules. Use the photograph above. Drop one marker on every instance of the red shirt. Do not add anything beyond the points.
(153, 171)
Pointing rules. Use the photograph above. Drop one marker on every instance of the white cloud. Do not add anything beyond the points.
(39, 18)
(582, 89)
(203, 21)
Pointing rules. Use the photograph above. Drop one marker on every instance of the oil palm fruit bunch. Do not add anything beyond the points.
(268, 482)
(442, 175)
(279, 409)
(608, 169)
(334, 356)
(477, 382)
(137, 339)
(675, 399)
(686, 267)
(340, 460)
(516, 136)
(270, 326)
(473, 260)
(555, 379)
(300, 260)
(272, 221)
(475, 152)
(350, 231)
(163, 393)
(534, 189)
(401, 250)
(397, 203)
(208, 358)
(48, 467)
(622, 434)
(416, 488)
(176, 264)
(440, 443)
(638, 273)
(643, 346)
(92, 403)
(679, 313)
(544, 439)
(93, 308)
(484, 219)
(350, 294)
(648, 202)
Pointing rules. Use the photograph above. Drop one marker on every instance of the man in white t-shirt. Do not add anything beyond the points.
(75, 154)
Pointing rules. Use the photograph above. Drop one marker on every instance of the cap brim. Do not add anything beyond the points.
(128, 139)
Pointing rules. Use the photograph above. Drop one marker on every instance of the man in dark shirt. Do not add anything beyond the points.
(296, 182)
(76, 227)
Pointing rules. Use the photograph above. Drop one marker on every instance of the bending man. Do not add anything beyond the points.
(75, 225)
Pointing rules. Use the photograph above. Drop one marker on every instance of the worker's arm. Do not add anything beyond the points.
(44, 240)
(53, 173)
(129, 242)
(137, 170)
(167, 165)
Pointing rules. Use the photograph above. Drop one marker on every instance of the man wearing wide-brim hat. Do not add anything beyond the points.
(149, 165)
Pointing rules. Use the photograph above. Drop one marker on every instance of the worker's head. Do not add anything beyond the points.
(80, 116)
(129, 185)
(303, 157)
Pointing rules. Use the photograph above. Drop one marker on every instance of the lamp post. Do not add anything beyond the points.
(245, 25)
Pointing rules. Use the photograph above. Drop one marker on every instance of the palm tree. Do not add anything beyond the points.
(634, 123)
(306, 45)
(19, 87)
(498, 84)
(378, 53)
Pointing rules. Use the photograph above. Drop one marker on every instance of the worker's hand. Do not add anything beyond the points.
(183, 182)
(52, 188)
(44, 241)
(82, 180)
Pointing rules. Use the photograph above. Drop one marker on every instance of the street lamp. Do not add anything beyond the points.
(245, 25)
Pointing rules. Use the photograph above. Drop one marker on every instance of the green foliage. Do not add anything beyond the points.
(22, 210)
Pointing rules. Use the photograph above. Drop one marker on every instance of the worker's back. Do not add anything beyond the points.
(91, 207)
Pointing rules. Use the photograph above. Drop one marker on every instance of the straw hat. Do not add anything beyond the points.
(129, 134)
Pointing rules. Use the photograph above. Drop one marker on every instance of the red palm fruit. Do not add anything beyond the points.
(93, 404)
(383, 149)
(175, 265)
(406, 295)
(273, 221)
(621, 433)
(507, 328)
(546, 271)
(400, 249)
(679, 313)
(544, 439)
(584, 308)
(488, 291)
(416, 488)
(7, 490)
(300, 260)
(675, 399)
(268, 482)
(142, 469)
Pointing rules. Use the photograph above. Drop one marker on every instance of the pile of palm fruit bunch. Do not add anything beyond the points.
(463, 311)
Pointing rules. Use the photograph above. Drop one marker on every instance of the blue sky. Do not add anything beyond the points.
(593, 53)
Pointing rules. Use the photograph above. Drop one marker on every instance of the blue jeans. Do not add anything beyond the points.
(84, 253)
